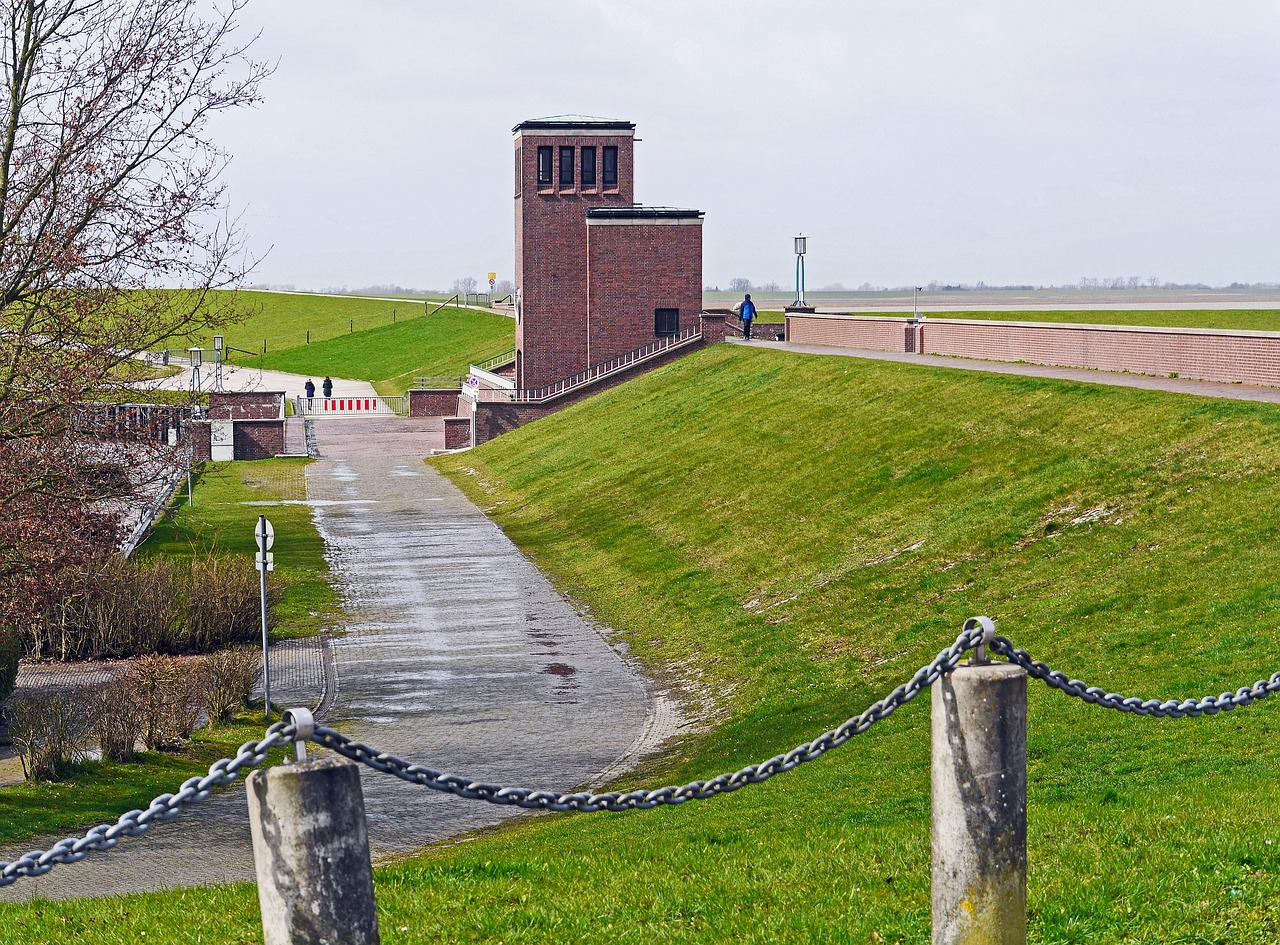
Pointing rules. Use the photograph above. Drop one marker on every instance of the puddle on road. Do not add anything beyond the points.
(558, 669)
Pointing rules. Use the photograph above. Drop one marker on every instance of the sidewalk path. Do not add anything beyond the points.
(1111, 378)
(458, 655)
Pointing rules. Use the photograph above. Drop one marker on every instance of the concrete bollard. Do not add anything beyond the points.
(980, 805)
(311, 852)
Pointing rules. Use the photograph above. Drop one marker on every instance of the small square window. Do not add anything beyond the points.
(544, 166)
(666, 321)
(566, 166)
(588, 167)
(610, 169)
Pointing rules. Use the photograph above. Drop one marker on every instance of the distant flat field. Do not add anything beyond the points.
(1227, 319)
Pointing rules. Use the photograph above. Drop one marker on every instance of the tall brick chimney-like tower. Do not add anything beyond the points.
(564, 165)
(596, 275)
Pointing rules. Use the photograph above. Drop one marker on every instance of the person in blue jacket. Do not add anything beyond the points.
(748, 315)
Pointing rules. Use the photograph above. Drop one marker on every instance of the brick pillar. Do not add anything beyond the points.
(712, 327)
(909, 338)
(457, 432)
(200, 441)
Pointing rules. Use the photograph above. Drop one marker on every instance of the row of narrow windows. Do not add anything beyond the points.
(582, 170)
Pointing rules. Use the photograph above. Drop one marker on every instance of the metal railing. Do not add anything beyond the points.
(593, 374)
(498, 360)
(394, 406)
(439, 381)
(453, 300)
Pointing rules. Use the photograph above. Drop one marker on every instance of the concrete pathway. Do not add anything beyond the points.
(458, 654)
(237, 377)
(1111, 378)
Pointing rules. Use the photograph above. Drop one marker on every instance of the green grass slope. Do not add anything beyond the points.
(1223, 319)
(357, 338)
(794, 536)
(445, 343)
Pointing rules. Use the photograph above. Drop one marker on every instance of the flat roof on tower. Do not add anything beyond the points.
(576, 121)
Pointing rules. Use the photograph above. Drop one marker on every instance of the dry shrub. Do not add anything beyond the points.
(222, 603)
(127, 608)
(116, 718)
(50, 731)
(228, 679)
(168, 693)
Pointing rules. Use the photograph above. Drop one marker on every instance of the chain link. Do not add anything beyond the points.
(978, 634)
(586, 802)
(165, 807)
(1169, 708)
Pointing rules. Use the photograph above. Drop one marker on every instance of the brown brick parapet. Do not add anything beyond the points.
(457, 432)
(1233, 357)
(246, 405)
(433, 402)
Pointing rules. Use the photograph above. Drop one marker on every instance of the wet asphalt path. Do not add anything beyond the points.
(458, 655)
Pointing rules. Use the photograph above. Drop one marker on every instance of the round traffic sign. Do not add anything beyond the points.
(264, 534)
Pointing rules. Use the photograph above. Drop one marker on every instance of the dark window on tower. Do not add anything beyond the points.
(610, 170)
(566, 167)
(544, 166)
(588, 167)
(666, 321)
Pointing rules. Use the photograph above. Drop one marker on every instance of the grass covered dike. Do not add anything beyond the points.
(797, 535)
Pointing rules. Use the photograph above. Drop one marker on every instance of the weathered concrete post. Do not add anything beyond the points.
(980, 805)
(311, 851)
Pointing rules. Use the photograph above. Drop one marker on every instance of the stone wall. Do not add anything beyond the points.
(246, 405)
(258, 439)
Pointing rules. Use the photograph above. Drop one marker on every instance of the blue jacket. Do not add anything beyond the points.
(748, 310)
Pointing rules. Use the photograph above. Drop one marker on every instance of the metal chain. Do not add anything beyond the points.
(978, 634)
(586, 802)
(165, 807)
(1169, 708)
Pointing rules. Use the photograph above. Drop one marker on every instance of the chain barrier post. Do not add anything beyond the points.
(311, 853)
(980, 802)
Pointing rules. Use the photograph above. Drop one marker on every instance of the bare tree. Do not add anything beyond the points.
(110, 192)
(739, 285)
(464, 286)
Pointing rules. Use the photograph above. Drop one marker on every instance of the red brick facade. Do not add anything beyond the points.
(1246, 357)
(571, 314)
(636, 265)
(246, 405)
(258, 439)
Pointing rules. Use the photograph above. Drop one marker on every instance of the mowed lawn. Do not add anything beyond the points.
(1223, 319)
(386, 342)
(789, 537)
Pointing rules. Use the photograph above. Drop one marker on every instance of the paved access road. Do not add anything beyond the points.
(458, 655)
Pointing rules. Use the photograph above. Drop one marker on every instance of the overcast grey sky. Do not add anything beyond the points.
(910, 140)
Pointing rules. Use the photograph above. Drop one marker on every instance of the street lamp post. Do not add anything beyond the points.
(801, 247)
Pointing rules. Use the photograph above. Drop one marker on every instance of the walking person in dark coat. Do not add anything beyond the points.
(309, 389)
(327, 387)
(748, 315)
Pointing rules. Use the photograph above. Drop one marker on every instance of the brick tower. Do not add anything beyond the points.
(596, 275)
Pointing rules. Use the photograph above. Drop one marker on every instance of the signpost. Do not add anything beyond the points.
(265, 536)
(493, 280)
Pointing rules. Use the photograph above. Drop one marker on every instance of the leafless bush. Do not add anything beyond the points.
(50, 731)
(222, 604)
(116, 718)
(124, 608)
(228, 678)
(168, 692)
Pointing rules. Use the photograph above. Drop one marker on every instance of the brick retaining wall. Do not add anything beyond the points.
(434, 402)
(246, 405)
(1246, 357)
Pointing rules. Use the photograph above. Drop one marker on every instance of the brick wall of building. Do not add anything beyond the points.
(635, 266)
(1246, 357)
(551, 249)
(438, 402)
(246, 405)
(258, 439)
